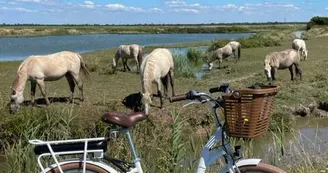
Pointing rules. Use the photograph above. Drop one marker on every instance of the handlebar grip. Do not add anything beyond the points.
(215, 89)
(178, 98)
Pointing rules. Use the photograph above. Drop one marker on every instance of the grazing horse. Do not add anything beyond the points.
(40, 68)
(299, 45)
(232, 48)
(127, 52)
(157, 67)
(282, 60)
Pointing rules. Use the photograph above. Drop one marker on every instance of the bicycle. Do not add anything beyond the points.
(96, 147)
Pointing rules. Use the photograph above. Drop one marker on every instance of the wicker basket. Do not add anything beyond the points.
(248, 111)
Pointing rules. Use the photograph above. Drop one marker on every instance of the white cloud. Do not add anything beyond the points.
(176, 3)
(120, 7)
(156, 10)
(19, 9)
(89, 4)
(186, 10)
(44, 2)
(183, 4)
(28, 0)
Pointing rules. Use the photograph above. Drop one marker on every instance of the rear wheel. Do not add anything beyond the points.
(77, 167)
(260, 168)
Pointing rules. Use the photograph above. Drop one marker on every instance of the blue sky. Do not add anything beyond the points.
(158, 11)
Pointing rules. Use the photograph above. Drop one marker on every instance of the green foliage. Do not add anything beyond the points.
(317, 20)
(182, 66)
(194, 55)
(250, 42)
(178, 149)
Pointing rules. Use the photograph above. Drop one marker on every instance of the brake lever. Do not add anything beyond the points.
(190, 103)
(199, 101)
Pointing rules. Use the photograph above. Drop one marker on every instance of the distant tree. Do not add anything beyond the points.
(317, 20)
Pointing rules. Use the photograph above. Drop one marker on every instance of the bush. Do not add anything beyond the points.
(194, 55)
(250, 42)
(182, 66)
(317, 20)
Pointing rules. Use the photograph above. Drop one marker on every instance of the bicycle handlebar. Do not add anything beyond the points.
(178, 98)
(192, 94)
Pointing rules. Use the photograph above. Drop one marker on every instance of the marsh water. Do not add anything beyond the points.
(20, 48)
(310, 135)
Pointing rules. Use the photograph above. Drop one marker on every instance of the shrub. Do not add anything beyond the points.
(317, 20)
(250, 42)
(182, 66)
(194, 55)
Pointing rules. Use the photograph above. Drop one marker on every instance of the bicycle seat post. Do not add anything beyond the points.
(131, 144)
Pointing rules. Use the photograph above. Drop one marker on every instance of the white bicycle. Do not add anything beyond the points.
(95, 159)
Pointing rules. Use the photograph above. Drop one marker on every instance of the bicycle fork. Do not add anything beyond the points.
(211, 153)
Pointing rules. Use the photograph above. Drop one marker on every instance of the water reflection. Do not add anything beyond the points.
(310, 137)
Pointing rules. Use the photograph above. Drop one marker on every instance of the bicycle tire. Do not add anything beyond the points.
(77, 167)
(260, 168)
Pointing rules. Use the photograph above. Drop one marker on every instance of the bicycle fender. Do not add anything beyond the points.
(100, 164)
(245, 162)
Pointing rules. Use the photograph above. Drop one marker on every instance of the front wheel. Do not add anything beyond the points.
(77, 167)
(260, 168)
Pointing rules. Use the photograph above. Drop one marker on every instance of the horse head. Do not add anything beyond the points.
(16, 99)
(305, 52)
(146, 100)
(210, 58)
(267, 68)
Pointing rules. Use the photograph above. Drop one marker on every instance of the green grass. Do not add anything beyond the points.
(105, 92)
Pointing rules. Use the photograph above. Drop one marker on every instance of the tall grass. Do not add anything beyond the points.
(178, 146)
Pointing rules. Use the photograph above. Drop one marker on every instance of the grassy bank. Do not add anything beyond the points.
(156, 137)
(43, 30)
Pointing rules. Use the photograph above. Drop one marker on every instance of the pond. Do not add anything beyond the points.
(299, 33)
(20, 48)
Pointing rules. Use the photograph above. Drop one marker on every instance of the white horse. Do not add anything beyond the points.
(232, 48)
(40, 68)
(128, 52)
(299, 45)
(157, 67)
(282, 60)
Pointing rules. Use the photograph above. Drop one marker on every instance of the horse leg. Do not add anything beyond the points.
(220, 62)
(71, 84)
(79, 84)
(273, 73)
(159, 93)
(138, 63)
(40, 83)
(33, 88)
(171, 75)
(291, 72)
(165, 84)
(125, 64)
(299, 71)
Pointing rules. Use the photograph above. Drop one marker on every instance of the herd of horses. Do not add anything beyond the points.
(155, 68)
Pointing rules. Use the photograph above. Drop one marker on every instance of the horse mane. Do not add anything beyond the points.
(147, 76)
(272, 59)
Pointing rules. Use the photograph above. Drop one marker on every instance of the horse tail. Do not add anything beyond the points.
(140, 55)
(84, 67)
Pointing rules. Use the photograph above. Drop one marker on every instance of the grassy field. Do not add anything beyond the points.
(153, 137)
(40, 30)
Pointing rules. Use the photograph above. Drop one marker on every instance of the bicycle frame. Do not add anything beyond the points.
(210, 153)
(98, 154)
(209, 156)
